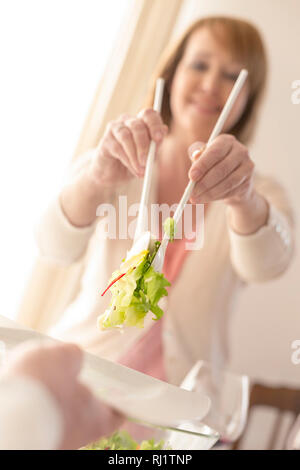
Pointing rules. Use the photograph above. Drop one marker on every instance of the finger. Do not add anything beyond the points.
(95, 417)
(195, 150)
(39, 359)
(68, 354)
(105, 419)
(124, 117)
(233, 181)
(242, 190)
(212, 155)
(78, 417)
(219, 172)
(141, 139)
(113, 148)
(18, 358)
(154, 122)
(125, 138)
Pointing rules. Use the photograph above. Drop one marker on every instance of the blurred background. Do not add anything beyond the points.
(53, 56)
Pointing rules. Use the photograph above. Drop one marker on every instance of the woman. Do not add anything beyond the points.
(247, 218)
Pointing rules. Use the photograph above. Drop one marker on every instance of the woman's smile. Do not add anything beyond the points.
(202, 107)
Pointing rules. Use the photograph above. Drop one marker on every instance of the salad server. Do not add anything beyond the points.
(142, 236)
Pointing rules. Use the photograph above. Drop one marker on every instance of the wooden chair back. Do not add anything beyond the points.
(282, 399)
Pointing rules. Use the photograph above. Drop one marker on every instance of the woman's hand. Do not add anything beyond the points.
(224, 171)
(120, 155)
(122, 151)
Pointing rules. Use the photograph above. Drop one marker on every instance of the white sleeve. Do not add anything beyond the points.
(58, 240)
(30, 419)
(265, 254)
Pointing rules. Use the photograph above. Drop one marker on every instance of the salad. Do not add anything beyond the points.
(136, 289)
(121, 440)
(169, 228)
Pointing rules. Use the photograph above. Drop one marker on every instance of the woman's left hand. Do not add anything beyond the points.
(224, 171)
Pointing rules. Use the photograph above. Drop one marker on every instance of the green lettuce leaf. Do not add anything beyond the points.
(155, 285)
(121, 440)
(169, 228)
(135, 294)
(151, 445)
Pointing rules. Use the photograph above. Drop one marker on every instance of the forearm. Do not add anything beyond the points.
(79, 201)
(261, 238)
(67, 225)
(248, 216)
(80, 198)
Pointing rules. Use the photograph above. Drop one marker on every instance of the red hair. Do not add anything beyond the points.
(246, 45)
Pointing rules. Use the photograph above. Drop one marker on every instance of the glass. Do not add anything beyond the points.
(229, 394)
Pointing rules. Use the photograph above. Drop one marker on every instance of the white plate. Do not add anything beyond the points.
(137, 395)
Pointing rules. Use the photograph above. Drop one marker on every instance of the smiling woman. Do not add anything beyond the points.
(197, 53)
(54, 57)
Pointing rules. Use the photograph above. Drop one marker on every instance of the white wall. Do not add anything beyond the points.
(267, 319)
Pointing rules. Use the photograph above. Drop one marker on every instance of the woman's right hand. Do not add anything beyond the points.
(120, 155)
(122, 152)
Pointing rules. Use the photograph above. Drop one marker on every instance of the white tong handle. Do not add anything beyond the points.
(142, 219)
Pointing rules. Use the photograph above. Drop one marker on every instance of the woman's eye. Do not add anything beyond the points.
(231, 76)
(199, 66)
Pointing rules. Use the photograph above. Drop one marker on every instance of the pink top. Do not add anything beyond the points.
(147, 354)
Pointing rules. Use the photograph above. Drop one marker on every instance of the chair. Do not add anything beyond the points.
(281, 399)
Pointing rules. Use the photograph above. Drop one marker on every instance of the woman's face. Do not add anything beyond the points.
(201, 85)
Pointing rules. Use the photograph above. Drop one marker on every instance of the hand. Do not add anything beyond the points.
(223, 172)
(57, 366)
(122, 152)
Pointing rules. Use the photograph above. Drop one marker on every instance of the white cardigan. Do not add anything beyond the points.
(198, 307)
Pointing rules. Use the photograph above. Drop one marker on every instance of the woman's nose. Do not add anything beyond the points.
(210, 83)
